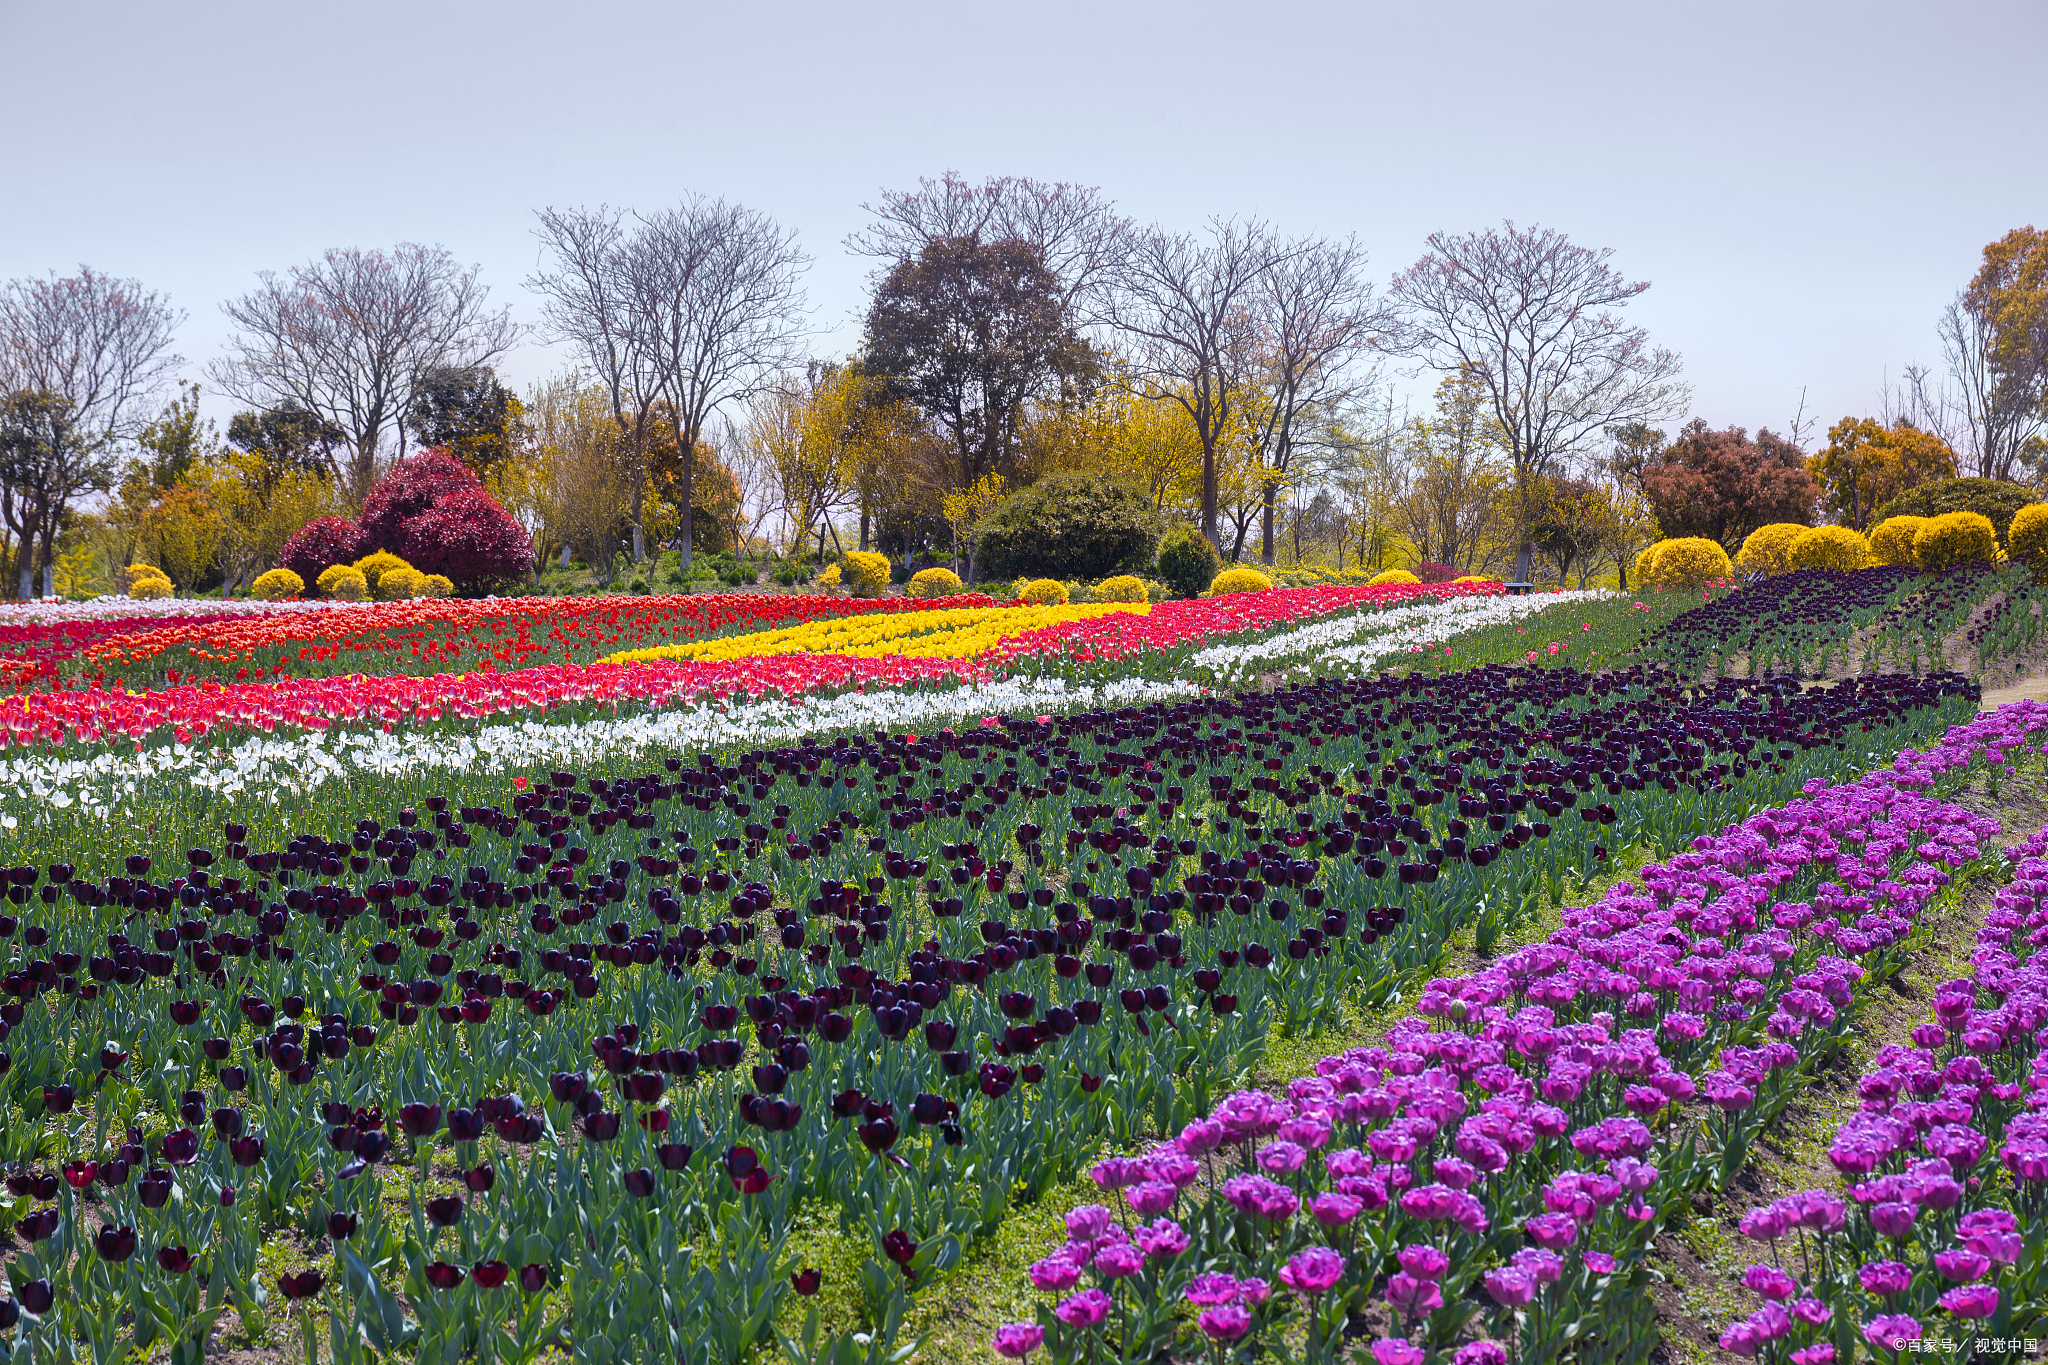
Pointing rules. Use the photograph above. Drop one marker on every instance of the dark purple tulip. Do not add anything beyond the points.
(114, 1244)
(640, 1182)
(341, 1226)
(303, 1285)
(533, 1278)
(446, 1211)
(674, 1155)
(154, 1189)
(442, 1275)
(36, 1295)
(246, 1151)
(181, 1146)
(601, 1127)
(175, 1259)
(490, 1274)
(419, 1120)
(807, 1281)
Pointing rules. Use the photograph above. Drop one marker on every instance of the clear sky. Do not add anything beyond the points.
(1804, 184)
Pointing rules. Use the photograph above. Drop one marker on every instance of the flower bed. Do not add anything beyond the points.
(578, 1022)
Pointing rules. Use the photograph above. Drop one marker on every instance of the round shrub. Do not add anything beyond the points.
(829, 578)
(1073, 525)
(434, 585)
(1122, 588)
(1188, 563)
(377, 563)
(1993, 499)
(1429, 571)
(344, 583)
(1687, 562)
(139, 573)
(399, 585)
(867, 573)
(1043, 592)
(1955, 538)
(1768, 550)
(470, 540)
(1240, 579)
(276, 585)
(934, 583)
(1891, 540)
(406, 491)
(1392, 576)
(150, 589)
(1829, 547)
(321, 542)
(2027, 538)
(1475, 578)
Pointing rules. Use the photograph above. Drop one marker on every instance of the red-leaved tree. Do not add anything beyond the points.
(320, 544)
(1722, 485)
(471, 540)
(412, 486)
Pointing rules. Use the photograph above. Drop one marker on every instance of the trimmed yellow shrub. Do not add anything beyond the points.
(1955, 538)
(934, 583)
(1044, 592)
(276, 584)
(1475, 578)
(1392, 576)
(1891, 540)
(1122, 588)
(2026, 540)
(374, 566)
(138, 573)
(150, 589)
(1687, 562)
(1829, 547)
(1240, 579)
(396, 585)
(1768, 550)
(867, 573)
(829, 578)
(343, 583)
(435, 585)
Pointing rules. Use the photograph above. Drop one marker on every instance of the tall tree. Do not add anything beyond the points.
(349, 338)
(1187, 308)
(86, 354)
(727, 313)
(1722, 485)
(685, 310)
(970, 332)
(47, 460)
(1077, 233)
(1995, 339)
(1315, 318)
(1536, 319)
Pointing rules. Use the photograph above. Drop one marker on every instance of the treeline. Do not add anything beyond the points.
(1231, 380)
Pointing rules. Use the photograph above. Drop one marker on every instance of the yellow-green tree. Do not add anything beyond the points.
(1865, 465)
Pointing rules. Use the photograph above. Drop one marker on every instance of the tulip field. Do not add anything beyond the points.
(727, 978)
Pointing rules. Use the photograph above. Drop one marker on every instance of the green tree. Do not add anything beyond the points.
(465, 410)
(969, 333)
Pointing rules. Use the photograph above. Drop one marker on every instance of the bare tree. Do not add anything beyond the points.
(86, 355)
(1078, 234)
(349, 336)
(1316, 315)
(1533, 316)
(598, 298)
(726, 312)
(1188, 310)
(2004, 407)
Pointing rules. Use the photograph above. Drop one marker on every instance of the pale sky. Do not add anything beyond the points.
(1804, 184)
